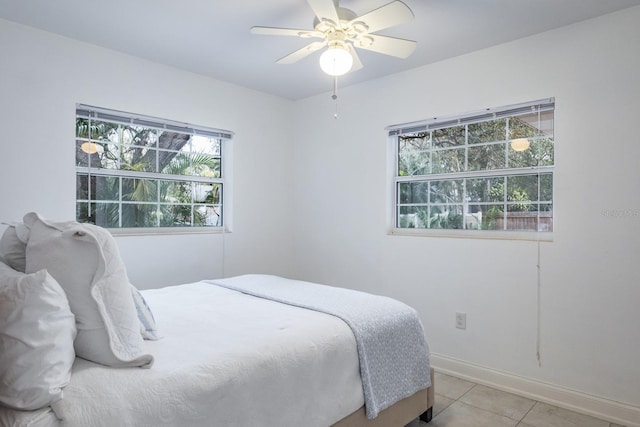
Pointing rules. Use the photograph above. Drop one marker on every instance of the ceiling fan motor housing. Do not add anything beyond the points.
(344, 14)
(347, 29)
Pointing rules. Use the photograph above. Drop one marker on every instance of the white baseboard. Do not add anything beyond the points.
(609, 410)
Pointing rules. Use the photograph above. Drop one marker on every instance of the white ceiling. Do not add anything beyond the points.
(211, 37)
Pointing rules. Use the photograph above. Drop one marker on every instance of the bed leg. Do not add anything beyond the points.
(427, 415)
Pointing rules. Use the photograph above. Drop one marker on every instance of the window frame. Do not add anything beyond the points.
(394, 177)
(224, 181)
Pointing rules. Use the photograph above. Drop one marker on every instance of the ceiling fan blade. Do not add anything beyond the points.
(357, 64)
(324, 9)
(301, 53)
(389, 15)
(400, 48)
(273, 31)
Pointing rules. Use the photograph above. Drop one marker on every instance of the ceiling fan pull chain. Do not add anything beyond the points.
(335, 95)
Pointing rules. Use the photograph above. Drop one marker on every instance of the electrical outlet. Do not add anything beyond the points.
(461, 320)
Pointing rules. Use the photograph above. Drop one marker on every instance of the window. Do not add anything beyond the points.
(141, 172)
(490, 171)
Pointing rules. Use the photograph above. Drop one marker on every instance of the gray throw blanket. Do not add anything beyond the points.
(393, 352)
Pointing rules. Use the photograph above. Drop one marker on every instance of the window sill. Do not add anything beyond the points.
(542, 236)
(165, 231)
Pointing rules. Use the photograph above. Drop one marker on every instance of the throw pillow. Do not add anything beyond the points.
(85, 261)
(37, 330)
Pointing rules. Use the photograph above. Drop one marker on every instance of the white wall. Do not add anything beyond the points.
(328, 224)
(590, 283)
(43, 76)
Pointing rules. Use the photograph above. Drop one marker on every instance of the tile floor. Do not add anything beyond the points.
(461, 403)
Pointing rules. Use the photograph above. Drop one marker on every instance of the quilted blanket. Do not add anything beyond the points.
(392, 349)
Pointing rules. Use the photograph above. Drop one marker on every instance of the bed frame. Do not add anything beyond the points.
(400, 414)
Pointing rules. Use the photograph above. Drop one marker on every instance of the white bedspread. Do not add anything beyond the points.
(393, 351)
(226, 359)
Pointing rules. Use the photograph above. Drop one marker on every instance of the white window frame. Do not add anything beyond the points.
(226, 167)
(394, 178)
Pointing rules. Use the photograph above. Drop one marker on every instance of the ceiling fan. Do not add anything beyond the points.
(342, 30)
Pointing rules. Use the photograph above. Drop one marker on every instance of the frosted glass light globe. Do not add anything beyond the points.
(336, 61)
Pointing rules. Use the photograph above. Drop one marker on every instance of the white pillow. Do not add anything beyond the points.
(13, 244)
(37, 330)
(85, 261)
(148, 328)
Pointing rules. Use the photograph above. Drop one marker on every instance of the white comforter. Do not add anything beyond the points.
(393, 352)
(226, 359)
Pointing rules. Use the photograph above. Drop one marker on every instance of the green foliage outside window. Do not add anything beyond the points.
(477, 175)
(139, 176)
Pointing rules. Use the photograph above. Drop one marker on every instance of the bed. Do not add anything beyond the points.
(222, 355)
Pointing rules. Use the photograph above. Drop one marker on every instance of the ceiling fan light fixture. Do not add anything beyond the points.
(336, 60)
(343, 31)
